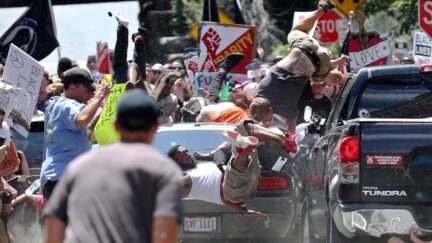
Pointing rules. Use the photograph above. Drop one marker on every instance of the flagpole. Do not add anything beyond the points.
(55, 27)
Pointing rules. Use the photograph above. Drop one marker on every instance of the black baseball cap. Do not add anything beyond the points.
(137, 111)
(78, 75)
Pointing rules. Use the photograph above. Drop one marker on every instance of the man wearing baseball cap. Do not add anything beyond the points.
(126, 192)
(66, 120)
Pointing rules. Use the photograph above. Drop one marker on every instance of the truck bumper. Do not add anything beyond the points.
(375, 222)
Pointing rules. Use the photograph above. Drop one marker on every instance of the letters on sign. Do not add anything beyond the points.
(370, 55)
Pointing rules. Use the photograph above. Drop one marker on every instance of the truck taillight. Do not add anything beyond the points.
(349, 150)
(272, 183)
(425, 68)
(349, 157)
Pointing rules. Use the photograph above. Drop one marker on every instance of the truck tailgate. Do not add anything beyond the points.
(396, 162)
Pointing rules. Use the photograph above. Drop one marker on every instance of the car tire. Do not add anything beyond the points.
(333, 234)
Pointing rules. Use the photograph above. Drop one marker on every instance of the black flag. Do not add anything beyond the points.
(33, 32)
(210, 11)
(238, 16)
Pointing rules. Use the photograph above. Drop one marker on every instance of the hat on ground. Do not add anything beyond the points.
(78, 75)
(137, 111)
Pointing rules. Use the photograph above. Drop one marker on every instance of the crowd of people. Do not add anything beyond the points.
(109, 194)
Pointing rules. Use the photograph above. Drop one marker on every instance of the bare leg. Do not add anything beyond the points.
(307, 24)
(240, 162)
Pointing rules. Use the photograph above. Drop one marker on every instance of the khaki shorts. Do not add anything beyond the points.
(239, 186)
(299, 38)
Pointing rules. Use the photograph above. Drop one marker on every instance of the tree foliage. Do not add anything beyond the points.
(404, 11)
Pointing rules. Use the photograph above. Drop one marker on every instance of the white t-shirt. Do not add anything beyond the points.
(206, 182)
(5, 133)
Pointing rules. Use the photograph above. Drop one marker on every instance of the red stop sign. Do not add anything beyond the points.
(425, 16)
(327, 27)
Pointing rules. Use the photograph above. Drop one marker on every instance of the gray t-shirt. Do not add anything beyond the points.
(112, 194)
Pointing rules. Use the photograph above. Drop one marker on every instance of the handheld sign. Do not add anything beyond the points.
(104, 129)
(24, 74)
(422, 45)
(220, 40)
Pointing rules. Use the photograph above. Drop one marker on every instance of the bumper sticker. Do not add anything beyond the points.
(384, 160)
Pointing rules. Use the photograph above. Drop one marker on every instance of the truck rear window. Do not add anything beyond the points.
(409, 97)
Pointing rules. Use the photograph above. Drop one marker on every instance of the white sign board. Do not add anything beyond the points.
(220, 40)
(24, 73)
(203, 80)
(422, 45)
(370, 55)
(196, 64)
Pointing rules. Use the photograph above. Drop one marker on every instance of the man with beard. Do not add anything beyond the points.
(205, 180)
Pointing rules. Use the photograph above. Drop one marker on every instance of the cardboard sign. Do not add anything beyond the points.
(103, 61)
(104, 130)
(422, 44)
(219, 40)
(24, 74)
(203, 80)
(374, 53)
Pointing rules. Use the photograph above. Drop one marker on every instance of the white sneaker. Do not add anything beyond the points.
(239, 140)
(120, 19)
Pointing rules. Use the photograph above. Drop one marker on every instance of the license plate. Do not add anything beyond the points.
(200, 224)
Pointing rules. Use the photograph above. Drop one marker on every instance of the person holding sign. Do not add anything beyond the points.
(125, 192)
(307, 61)
(66, 121)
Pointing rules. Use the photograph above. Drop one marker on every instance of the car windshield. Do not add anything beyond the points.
(202, 141)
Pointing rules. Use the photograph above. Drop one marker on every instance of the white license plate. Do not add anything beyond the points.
(200, 224)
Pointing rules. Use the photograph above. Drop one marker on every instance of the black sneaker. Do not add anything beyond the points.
(230, 61)
(325, 5)
(139, 36)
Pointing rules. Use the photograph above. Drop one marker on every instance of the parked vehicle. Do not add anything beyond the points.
(278, 194)
(369, 175)
(33, 144)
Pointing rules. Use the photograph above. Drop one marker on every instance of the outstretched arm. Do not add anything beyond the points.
(243, 210)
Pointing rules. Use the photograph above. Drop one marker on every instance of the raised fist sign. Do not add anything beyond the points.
(211, 40)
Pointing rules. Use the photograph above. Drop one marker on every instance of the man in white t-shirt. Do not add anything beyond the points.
(205, 180)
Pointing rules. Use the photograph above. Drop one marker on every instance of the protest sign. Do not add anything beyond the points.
(104, 130)
(103, 61)
(201, 63)
(24, 74)
(422, 45)
(219, 40)
(376, 54)
(203, 80)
